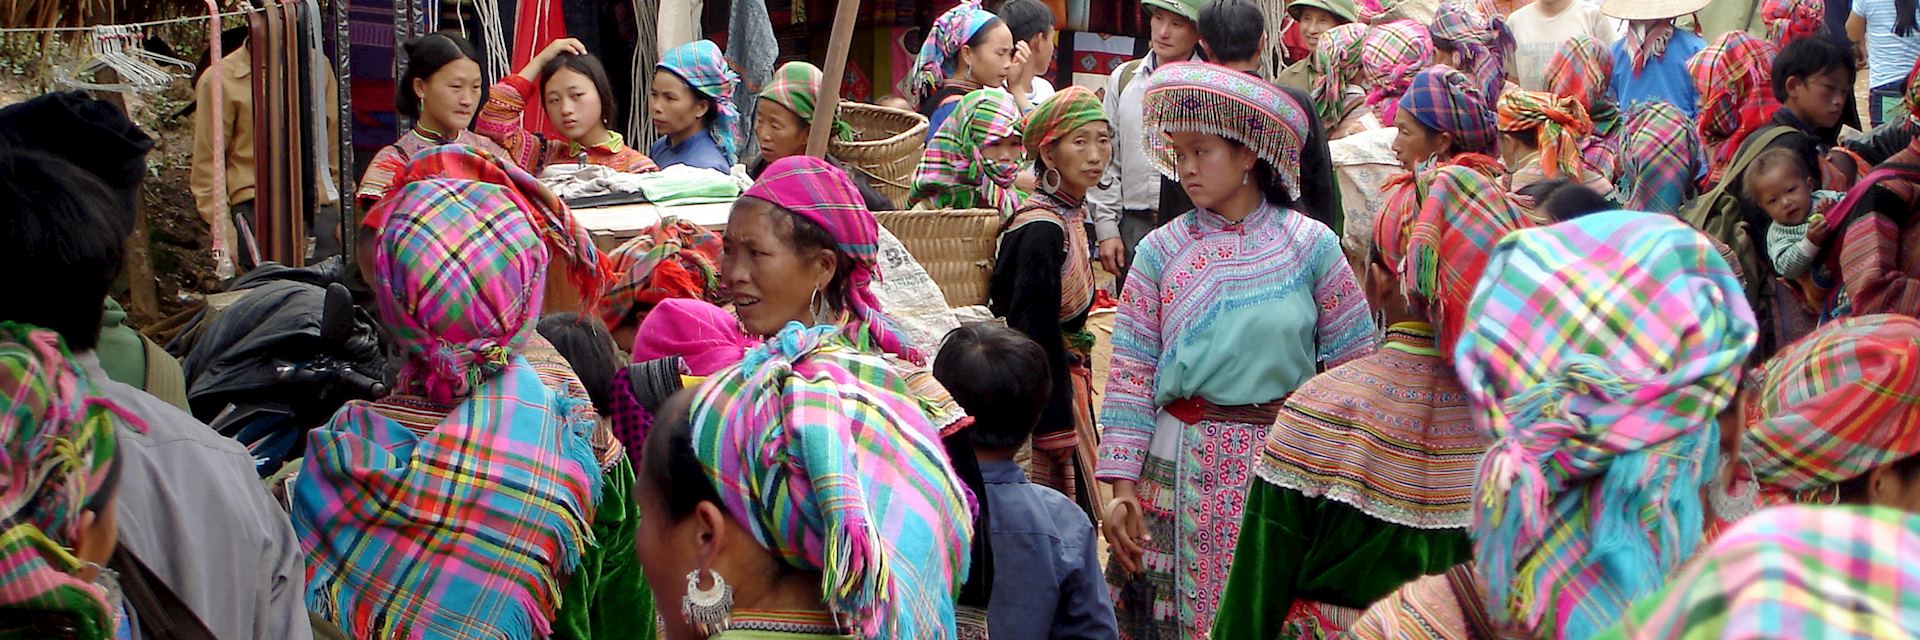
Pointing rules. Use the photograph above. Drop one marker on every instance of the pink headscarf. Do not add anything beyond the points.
(706, 337)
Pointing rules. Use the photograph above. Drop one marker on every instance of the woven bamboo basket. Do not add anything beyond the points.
(955, 246)
(887, 144)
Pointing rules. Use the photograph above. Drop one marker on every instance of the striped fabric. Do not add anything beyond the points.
(672, 259)
(939, 54)
(1734, 78)
(1836, 405)
(1466, 212)
(1446, 100)
(1582, 69)
(1598, 354)
(796, 86)
(1335, 64)
(1208, 98)
(1794, 572)
(701, 65)
(1076, 273)
(1390, 55)
(1560, 125)
(1658, 175)
(1480, 39)
(827, 458)
(955, 172)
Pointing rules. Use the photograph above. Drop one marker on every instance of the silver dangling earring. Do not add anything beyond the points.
(819, 311)
(1050, 181)
(710, 610)
(1244, 176)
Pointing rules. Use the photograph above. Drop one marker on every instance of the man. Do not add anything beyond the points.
(1129, 207)
(1540, 28)
(190, 507)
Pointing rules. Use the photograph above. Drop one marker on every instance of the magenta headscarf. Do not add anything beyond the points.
(706, 337)
(814, 189)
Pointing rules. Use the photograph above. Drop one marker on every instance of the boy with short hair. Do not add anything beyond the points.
(1129, 207)
(1812, 79)
(1046, 568)
(1539, 29)
(1032, 25)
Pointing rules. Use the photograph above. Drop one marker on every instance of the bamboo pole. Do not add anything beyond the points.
(836, 71)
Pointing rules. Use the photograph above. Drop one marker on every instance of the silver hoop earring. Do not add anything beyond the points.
(818, 310)
(709, 610)
(1050, 181)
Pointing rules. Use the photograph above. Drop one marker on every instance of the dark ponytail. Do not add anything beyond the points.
(1271, 188)
(1903, 25)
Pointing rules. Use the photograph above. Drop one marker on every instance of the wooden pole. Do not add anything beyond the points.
(143, 298)
(836, 71)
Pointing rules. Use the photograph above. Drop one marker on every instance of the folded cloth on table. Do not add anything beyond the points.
(674, 185)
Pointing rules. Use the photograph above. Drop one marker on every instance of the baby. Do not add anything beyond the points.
(1779, 184)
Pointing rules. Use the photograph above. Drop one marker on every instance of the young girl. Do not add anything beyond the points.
(974, 157)
(968, 49)
(578, 99)
(439, 91)
(692, 108)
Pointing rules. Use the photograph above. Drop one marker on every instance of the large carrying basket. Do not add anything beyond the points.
(887, 144)
(955, 246)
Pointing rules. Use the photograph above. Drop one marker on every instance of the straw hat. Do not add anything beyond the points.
(1650, 9)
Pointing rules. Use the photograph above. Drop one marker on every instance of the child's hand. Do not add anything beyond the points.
(1817, 229)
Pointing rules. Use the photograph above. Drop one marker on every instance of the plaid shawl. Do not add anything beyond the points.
(1598, 353)
(1446, 100)
(1560, 125)
(672, 259)
(1647, 39)
(1582, 69)
(58, 442)
(1059, 115)
(1209, 98)
(955, 172)
(939, 54)
(1335, 64)
(822, 193)
(1795, 572)
(1481, 41)
(1466, 212)
(826, 456)
(701, 65)
(1837, 404)
(1913, 93)
(1734, 78)
(1658, 175)
(796, 86)
(1790, 20)
(1390, 55)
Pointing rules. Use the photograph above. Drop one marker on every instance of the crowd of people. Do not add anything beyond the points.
(1628, 350)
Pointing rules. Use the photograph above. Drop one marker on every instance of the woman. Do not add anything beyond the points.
(578, 99)
(1582, 70)
(1475, 42)
(692, 108)
(968, 49)
(1660, 173)
(1542, 138)
(1734, 78)
(1043, 281)
(1837, 416)
(972, 161)
(803, 495)
(784, 122)
(1442, 120)
(458, 278)
(1602, 355)
(1367, 475)
(1390, 56)
(63, 473)
(672, 259)
(1230, 307)
(1338, 90)
(439, 92)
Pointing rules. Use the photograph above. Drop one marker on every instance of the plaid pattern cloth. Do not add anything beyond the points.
(1913, 93)
(1446, 100)
(1480, 39)
(1837, 404)
(1583, 70)
(1790, 20)
(955, 172)
(1466, 212)
(1598, 353)
(1734, 78)
(826, 456)
(1209, 98)
(939, 54)
(1794, 572)
(1063, 113)
(672, 259)
(1335, 64)
(1649, 45)
(1560, 123)
(701, 65)
(1658, 175)
(1390, 55)
(822, 193)
(796, 86)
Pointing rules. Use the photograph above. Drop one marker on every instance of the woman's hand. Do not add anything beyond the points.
(553, 50)
(1125, 526)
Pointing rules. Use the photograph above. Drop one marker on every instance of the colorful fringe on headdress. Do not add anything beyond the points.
(1734, 77)
(1582, 69)
(1465, 213)
(1560, 125)
(1207, 98)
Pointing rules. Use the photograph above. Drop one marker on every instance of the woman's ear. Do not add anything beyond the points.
(710, 532)
(420, 89)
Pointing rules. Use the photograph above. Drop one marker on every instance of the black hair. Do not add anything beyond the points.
(1767, 161)
(589, 66)
(589, 348)
(425, 56)
(1271, 188)
(1806, 58)
(1563, 199)
(1858, 489)
(668, 464)
(805, 235)
(1027, 19)
(109, 487)
(713, 109)
(1000, 377)
(980, 35)
(58, 239)
(1903, 22)
(1232, 29)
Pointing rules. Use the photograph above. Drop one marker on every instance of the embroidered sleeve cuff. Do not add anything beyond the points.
(521, 87)
(1121, 461)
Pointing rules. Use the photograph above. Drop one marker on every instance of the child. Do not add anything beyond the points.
(1812, 79)
(578, 100)
(692, 108)
(1047, 579)
(1032, 25)
(1779, 185)
(589, 351)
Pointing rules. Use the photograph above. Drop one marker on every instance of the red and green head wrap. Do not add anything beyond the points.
(1836, 405)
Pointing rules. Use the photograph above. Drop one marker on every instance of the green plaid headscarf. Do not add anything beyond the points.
(796, 86)
(1336, 64)
(1061, 114)
(954, 173)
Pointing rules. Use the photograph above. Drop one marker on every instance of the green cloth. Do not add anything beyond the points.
(607, 597)
(1189, 8)
(130, 359)
(1342, 9)
(684, 185)
(1293, 547)
(1297, 76)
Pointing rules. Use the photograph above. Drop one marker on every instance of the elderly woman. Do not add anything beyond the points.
(974, 157)
(1602, 355)
(479, 444)
(1443, 120)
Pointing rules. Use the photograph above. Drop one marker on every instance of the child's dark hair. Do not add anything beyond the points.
(1232, 29)
(1027, 19)
(56, 223)
(589, 348)
(1000, 377)
(425, 56)
(1806, 58)
(1271, 188)
(668, 465)
(1767, 161)
(589, 66)
(1563, 199)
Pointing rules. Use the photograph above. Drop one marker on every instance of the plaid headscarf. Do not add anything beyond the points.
(1913, 93)
(58, 443)
(1390, 55)
(672, 259)
(1059, 115)
(1658, 174)
(955, 172)
(1790, 20)
(940, 54)
(1837, 404)
(1208, 98)
(1465, 213)
(829, 460)
(701, 65)
(1560, 126)
(822, 193)
(1480, 40)
(1735, 80)
(1335, 63)
(1598, 353)
(796, 86)
(1794, 572)
(1447, 101)
(1582, 69)
(1647, 40)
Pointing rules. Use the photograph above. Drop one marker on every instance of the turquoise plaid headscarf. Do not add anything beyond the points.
(701, 65)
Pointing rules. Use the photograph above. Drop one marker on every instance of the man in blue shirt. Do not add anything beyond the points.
(1047, 581)
(1650, 60)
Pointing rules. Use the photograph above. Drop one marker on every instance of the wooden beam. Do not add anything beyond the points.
(836, 71)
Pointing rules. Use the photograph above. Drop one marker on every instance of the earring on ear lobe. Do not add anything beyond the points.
(822, 313)
(709, 610)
